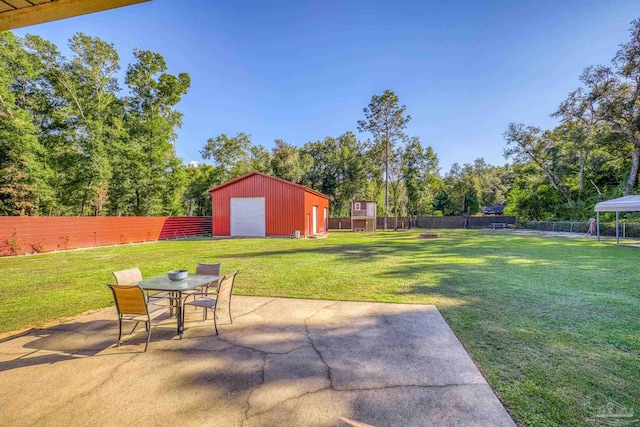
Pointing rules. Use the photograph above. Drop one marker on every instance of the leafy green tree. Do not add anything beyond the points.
(23, 170)
(87, 88)
(151, 124)
(287, 162)
(531, 196)
(465, 189)
(494, 182)
(385, 119)
(398, 193)
(621, 99)
(231, 156)
(74, 144)
(375, 162)
(529, 144)
(421, 176)
(339, 169)
(57, 129)
(260, 159)
(582, 113)
(200, 178)
(461, 192)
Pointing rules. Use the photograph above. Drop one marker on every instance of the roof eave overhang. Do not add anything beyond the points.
(53, 11)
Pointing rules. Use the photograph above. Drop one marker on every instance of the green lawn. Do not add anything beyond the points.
(554, 323)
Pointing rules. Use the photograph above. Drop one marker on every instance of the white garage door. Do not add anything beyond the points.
(247, 216)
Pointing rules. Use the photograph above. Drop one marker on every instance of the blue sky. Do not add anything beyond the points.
(301, 71)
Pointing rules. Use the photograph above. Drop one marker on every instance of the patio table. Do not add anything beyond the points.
(162, 283)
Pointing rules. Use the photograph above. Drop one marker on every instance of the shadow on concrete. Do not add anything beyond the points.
(282, 362)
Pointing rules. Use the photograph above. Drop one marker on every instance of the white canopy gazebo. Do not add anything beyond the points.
(623, 204)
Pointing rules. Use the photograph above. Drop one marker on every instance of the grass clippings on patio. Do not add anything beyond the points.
(553, 323)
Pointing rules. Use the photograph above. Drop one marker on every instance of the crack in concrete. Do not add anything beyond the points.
(247, 417)
(288, 352)
(264, 364)
(257, 349)
(331, 389)
(240, 345)
(196, 350)
(231, 345)
(313, 345)
(93, 390)
(255, 309)
(234, 345)
(257, 414)
(391, 387)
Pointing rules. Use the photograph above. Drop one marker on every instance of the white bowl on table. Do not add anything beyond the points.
(177, 275)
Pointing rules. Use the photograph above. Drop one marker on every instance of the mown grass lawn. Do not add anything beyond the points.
(554, 323)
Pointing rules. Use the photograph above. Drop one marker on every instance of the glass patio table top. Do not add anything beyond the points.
(163, 283)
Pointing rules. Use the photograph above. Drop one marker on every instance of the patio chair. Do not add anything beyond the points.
(125, 277)
(133, 275)
(220, 303)
(209, 269)
(132, 305)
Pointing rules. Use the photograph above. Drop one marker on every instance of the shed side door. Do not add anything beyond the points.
(247, 216)
(314, 211)
(326, 220)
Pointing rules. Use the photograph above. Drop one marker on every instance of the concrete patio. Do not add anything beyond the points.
(283, 362)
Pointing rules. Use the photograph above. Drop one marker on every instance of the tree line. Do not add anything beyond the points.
(592, 155)
(389, 167)
(74, 141)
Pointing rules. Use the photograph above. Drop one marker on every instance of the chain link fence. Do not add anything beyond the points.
(627, 229)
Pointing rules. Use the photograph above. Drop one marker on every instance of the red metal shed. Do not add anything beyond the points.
(257, 204)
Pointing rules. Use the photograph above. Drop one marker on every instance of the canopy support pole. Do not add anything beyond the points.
(598, 225)
(617, 228)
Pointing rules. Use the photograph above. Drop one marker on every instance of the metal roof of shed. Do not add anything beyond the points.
(240, 178)
(622, 204)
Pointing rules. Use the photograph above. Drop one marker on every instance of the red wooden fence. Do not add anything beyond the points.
(20, 235)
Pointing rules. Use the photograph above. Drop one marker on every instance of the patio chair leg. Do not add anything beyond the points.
(119, 331)
(148, 335)
(215, 324)
(134, 328)
(182, 314)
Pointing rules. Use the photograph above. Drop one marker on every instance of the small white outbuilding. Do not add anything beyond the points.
(622, 204)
